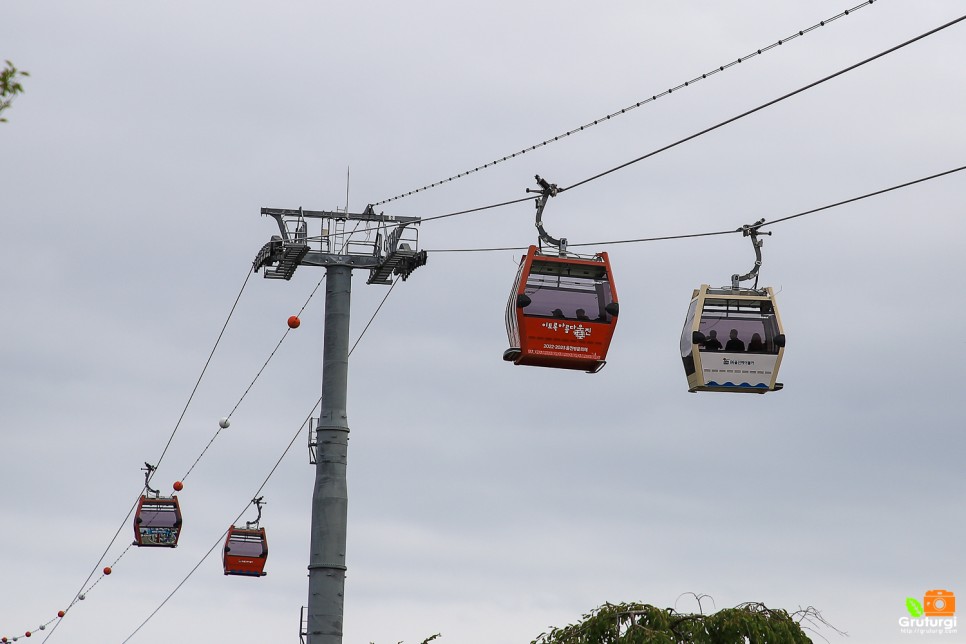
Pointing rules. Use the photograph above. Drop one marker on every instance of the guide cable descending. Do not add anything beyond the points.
(261, 487)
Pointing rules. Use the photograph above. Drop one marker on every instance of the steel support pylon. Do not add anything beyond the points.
(385, 246)
(330, 499)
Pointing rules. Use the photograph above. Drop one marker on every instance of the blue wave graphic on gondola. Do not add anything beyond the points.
(744, 385)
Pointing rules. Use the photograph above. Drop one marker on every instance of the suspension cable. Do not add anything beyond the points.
(164, 451)
(865, 196)
(194, 390)
(768, 104)
(81, 593)
(650, 99)
(697, 134)
(614, 242)
(264, 482)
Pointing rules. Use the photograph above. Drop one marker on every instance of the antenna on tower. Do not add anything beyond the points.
(347, 188)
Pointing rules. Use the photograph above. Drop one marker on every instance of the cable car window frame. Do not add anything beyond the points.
(566, 288)
(748, 316)
(240, 540)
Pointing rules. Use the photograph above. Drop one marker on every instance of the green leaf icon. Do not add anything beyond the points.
(914, 607)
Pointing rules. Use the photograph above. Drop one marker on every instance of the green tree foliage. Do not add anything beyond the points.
(633, 623)
(10, 86)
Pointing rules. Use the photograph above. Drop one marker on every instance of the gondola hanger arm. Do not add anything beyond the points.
(546, 191)
(258, 503)
(751, 230)
(148, 470)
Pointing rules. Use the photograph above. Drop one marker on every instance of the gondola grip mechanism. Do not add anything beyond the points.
(751, 230)
(546, 191)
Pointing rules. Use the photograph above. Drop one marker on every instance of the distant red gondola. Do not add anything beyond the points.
(246, 549)
(157, 521)
(245, 552)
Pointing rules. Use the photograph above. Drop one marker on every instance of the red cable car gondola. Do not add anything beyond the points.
(563, 308)
(157, 521)
(246, 549)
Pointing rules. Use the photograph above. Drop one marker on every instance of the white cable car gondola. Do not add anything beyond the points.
(733, 339)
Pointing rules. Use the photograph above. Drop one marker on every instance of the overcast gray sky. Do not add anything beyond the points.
(487, 501)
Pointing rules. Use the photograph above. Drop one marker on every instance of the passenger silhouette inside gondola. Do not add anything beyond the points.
(735, 344)
(712, 343)
(755, 344)
(582, 315)
(557, 313)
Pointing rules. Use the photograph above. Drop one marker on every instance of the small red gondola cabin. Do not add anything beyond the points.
(246, 551)
(562, 312)
(157, 522)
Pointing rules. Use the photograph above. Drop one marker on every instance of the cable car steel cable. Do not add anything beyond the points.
(255, 379)
(769, 103)
(654, 97)
(137, 506)
(204, 369)
(264, 482)
(150, 470)
(259, 373)
(772, 222)
(164, 451)
(222, 425)
(713, 127)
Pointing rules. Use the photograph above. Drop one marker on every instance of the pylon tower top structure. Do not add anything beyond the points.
(385, 245)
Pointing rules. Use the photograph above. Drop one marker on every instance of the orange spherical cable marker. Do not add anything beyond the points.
(107, 570)
(178, 486)
(61, 613)
(294, 322)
